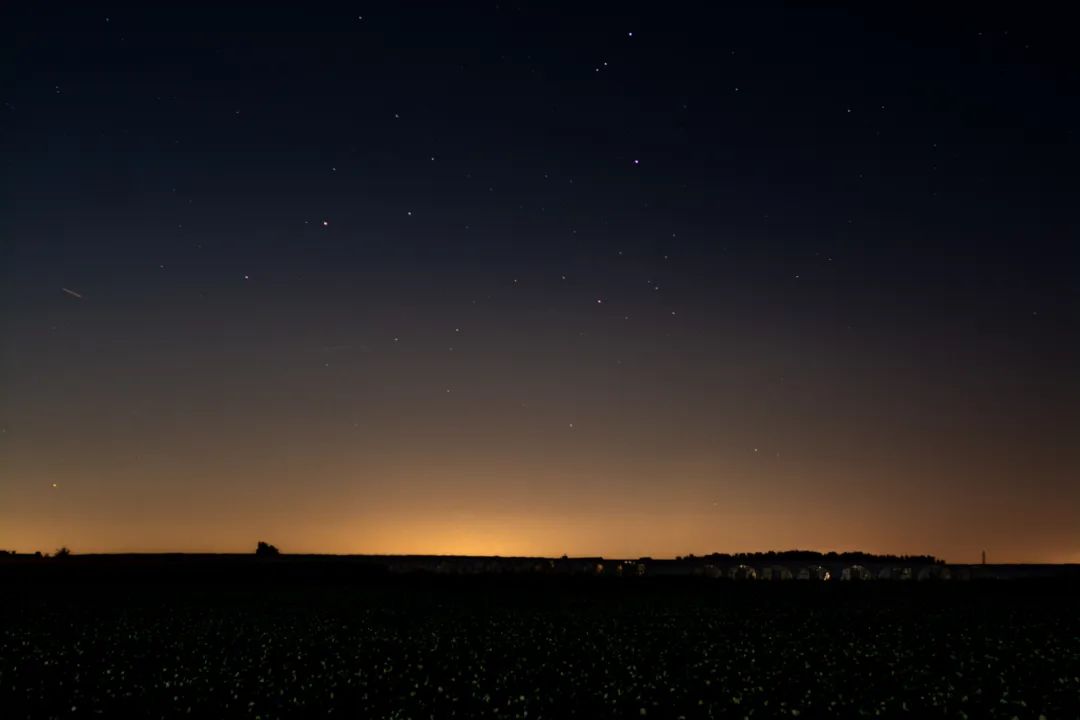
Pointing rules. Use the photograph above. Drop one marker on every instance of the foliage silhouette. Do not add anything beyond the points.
(266, 550)
(811, 555)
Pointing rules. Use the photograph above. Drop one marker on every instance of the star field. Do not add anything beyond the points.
(538, 278)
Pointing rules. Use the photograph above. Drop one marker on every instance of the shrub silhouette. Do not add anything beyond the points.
(62, 553)
(266, 550)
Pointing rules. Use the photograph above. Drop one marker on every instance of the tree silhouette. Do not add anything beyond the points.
(831, 556)
(266, 550)
(62, 552)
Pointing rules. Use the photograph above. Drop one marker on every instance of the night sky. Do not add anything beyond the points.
(539, 278)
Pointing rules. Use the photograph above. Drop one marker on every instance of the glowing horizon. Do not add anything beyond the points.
(732, 291)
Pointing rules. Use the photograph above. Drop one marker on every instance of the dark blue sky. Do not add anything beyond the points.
(531, 277)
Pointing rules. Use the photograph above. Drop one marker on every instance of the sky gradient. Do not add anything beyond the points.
(519, 278)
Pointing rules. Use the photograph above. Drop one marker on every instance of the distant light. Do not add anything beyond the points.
(325, 223)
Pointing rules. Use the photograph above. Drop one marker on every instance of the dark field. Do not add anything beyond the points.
(415, 647)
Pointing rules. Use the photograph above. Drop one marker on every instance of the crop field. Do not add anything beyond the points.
(474, 648)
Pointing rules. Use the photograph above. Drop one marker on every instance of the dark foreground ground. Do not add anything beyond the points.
(393, 647)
